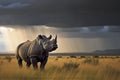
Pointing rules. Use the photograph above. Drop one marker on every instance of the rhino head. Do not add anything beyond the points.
(48, 43)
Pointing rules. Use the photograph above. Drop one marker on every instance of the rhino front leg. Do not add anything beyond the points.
(28, 64)
(43, 63)
(34, 62)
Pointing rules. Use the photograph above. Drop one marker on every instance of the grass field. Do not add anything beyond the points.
(63, 68)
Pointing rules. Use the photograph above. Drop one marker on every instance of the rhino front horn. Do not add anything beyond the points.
(56, 39)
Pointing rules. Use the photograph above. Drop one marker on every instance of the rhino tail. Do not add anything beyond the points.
(17, 51)
(19, 59)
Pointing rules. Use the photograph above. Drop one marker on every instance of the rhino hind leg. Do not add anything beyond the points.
(20, 62)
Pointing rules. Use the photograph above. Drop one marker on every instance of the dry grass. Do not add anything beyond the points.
(63, 68)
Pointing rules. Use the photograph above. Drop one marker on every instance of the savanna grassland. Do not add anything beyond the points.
(63, 68)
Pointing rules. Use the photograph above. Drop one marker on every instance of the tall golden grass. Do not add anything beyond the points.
(63, 68)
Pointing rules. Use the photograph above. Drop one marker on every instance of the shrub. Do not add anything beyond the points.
(82, 56)
(56, 59)
(95, 56)
(59, 56)
(70, 66)
(73, 56)
(67, 57)
(91, 61)
(105, 56)
(8, 58)
(117, 57)
(87, 60)
(1, 62)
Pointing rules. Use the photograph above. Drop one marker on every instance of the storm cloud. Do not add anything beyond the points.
(14, 5)
(60, 13)
(81, 25)
(78, 39)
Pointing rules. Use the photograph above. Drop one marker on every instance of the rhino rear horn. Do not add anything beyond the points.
(50, 37)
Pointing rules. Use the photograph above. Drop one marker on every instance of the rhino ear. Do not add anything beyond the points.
(50, 37)
(40, 37)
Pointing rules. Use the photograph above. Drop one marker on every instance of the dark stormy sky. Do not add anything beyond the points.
(81, 25)
(60, 13)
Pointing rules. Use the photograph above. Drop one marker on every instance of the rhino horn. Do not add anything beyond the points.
(56, 39)
(50, 37)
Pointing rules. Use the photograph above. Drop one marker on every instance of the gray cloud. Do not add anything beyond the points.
(76, 39)
(90, 32)
(15, 5)
(98, 29)
(115, 29)
(96, 22)
(58, 20)
(87, 29)
(92, 35)
(60, 13)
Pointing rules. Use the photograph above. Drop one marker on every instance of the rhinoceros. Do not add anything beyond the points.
(36, 51)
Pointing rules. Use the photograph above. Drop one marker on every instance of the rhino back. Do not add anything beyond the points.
(23, 50)
(30, 49)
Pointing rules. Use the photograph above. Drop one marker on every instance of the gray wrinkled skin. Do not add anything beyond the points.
(36, 51)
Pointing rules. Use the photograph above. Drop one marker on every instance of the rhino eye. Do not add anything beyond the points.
(44, 42)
